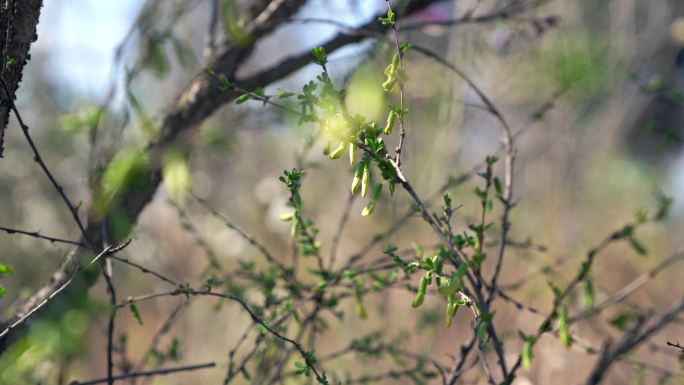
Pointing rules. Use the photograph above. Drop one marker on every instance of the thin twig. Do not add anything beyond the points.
(36, 234)
(39, 159)
(150, 373)
(109, 250)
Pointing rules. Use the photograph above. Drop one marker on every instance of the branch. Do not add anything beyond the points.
(150, 373)
(197, 102)
(18, 22)
(44, 296)
(37, 234)
(630, 339)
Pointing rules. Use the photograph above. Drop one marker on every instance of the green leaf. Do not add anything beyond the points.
(136, 312)
(391, 118)
(337, 153)
(233, 25)
(498, 186)
(245, 373)
(563, 329)
(176, 174)
(224, 83)
(664, 206)
(588, 293)
(403, 47)
(320, 57)
(482, 331)
(641, 215)
(637, 246)
(3, 291)
(451, 287)
(527, 353)
(622, 320)
(242, 98)
(352, 153)
(6, 270)
(375, 196)
(365, 178)
(387, 20)
(418, 300)
(128, 170)
(156, 56)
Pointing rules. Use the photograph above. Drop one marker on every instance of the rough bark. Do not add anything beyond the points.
(18, 23)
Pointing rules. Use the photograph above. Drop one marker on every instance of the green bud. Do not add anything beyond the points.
(365, 179)
(352, 153)
(375, 196)
(391, 118)
(420, 297)
(360, 310)
(563, 331)
(527, 354)
(424, 282)
(337, 152)
(356, 182)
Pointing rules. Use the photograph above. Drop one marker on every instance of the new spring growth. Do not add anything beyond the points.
(452, 307)
(365, 178)
(358, 175)
(352, 153)
(563, 331)
(358, 297)
(422, 290)
(337, 153)
(391, 118)
(375, 196)
(393, 73)
(527, 352)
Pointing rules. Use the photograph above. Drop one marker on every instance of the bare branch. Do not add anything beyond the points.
(150, 373)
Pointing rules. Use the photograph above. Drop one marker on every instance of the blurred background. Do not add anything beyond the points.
(592, 90)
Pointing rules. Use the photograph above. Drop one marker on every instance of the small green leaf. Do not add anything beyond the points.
(563, 330)
(498, 186)
(6, 270)
(641, 215)
(527, 353)
(482, 331)
(622, 320)
(375, 196)
(664, 206)
(352, 153)
(233, 24)
(337, 153)
(637, 246)
(365, 178)
(403, 47)
(391, 118)
(356, 182)
(136, 312)
(418, 300)
(245, 373)
(588, 293)
(224, 83)
(176, 174)
(320, 57)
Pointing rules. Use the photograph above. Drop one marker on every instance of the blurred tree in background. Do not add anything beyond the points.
(515, 170)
